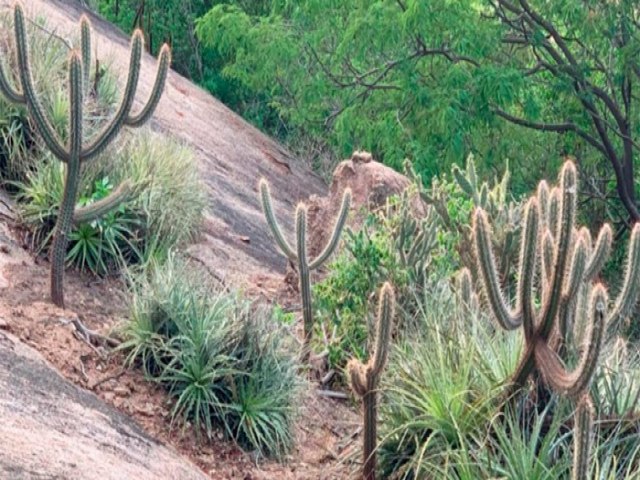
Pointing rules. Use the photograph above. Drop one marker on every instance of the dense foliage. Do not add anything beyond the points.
(432, 81)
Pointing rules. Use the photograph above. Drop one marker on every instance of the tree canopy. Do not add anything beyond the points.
(531, 81)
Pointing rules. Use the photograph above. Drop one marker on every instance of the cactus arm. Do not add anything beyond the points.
(505, 317)
(543, 201)
(628, 296)
(114, 126)
(305, 283)
(547, 258)
(276, 231)
(72, 178)
(576, 382)
(386, 313)
(527, 268)
(13, 95)
(464, 285)
(33, 102)
(583, 430)
(85, 44)
(357, 377)
(337, 231)
(156, 92)
(91, 212)
(571, 287)
(569, 190)
(464, 183)
(600, 252)
(554, 207)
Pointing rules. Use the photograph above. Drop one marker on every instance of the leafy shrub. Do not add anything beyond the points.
(411, 249)
(165, 209)
(224, 360)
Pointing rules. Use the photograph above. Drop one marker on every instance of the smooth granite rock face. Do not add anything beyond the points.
(51, 429)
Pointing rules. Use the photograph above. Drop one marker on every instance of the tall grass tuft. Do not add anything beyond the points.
(226, 362)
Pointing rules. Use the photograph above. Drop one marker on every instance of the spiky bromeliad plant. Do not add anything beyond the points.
(365, 377)
(571, 301)
(299, 255)
(76, 152)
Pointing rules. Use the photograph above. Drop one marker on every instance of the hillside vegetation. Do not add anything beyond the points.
(483, 320)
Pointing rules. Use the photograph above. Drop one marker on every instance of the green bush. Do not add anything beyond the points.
(395, 244)
(412, 245)
(227, 362)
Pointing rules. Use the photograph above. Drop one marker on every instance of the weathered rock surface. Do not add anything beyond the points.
(371, 183)
(51, 429)
(232, 155)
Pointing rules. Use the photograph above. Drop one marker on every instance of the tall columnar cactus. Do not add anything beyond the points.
(76, 151)
(299, 254)
(364, 378)
(567, 264)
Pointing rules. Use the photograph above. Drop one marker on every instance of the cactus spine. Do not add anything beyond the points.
(75, 152)
(299, 255)
(568, 264)
(364, 378)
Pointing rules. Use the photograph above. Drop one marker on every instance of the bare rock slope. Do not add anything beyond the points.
(53, 429)
(232, 155)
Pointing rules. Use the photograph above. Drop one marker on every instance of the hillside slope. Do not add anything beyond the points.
(232, 155)
(51, 428)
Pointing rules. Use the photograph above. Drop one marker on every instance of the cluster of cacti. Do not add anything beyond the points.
(299, 256)
(364, 378)
(414, 236)
(493, 199)
(76, 152)
(572, 305)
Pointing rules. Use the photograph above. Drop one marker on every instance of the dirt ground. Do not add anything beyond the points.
(327, 430)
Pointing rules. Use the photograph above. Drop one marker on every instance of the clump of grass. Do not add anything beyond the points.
(442, 385)
(165, 209)
(226, 362)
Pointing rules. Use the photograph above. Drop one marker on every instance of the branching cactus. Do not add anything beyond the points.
(567, 264)
(75, 152)
(364, 378)
(299, 254)
(573, 305)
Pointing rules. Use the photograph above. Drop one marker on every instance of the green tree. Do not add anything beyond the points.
(433, 80)
(173, 22)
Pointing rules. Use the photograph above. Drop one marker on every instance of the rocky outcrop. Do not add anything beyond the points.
(49, 428)
(371, 183)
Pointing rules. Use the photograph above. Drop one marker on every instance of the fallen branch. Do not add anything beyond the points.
(107, 378)
(333, 394)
